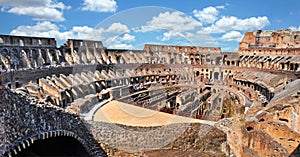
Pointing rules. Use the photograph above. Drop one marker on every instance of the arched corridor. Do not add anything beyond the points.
(56, 146)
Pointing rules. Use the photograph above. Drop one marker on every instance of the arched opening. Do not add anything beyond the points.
(192, 60)
(56, 146)
(21, 43)
(52, 56)
(4, 52)
(18, 85)
(33, 56)
(228, 62)
(172, 61)
(232, 62)
(1, 41)
(216, 75)
(44, 56)
(197, 61)
(185, 60)
(261, 65)
(185, 50)
(282, 66)
(219, 61)
(249, 128)
(201, 76)
(208, 58)
(15, 52)
(291, 66)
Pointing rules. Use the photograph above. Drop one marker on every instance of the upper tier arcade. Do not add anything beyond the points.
(265, 42)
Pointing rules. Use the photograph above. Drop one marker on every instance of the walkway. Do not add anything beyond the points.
(89, 116)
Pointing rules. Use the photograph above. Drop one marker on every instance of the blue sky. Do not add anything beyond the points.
(131, 23)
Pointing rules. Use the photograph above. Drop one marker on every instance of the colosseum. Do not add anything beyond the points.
(83, 99)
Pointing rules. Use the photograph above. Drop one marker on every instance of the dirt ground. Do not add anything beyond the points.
(126, 114)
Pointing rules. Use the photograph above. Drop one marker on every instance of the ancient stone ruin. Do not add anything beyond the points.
(163, 99)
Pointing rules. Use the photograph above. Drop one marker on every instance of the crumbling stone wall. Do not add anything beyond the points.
(284, 42)
(182, 137)
(22, 123)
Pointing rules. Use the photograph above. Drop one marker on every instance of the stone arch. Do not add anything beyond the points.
(47, 143)
(296, 66)
(192, 60)
(216, 75)
(228, 63)
(5, 52)
(1, 41)
(218, 60)
(292, 67)
(281, 66)
(18, 84)
(185, 60)
(207, 58)
(39, 42)
(14, 58)
(52, 55)
(201, 76)
(34, 54)
(41, 123)
(14, 52)
(21, 42)
(233, 63)
(45, 57)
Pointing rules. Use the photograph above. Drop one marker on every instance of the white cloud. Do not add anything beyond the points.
(208, 15)
(173, 21)
(120, 42)
(48, 29)
(39, 13)
(173, 24)
(168, 35)
(50, 10)
(128, 38)
(116, 43)
(232, 36)
(229, 49)
(100, 5)
(118, 28)
(230, 23)
(121, 46)
(293, 28)
(41, 29)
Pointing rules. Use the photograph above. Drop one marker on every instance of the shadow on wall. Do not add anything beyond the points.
(296, 152)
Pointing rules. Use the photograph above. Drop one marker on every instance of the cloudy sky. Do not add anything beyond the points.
(131, 23)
